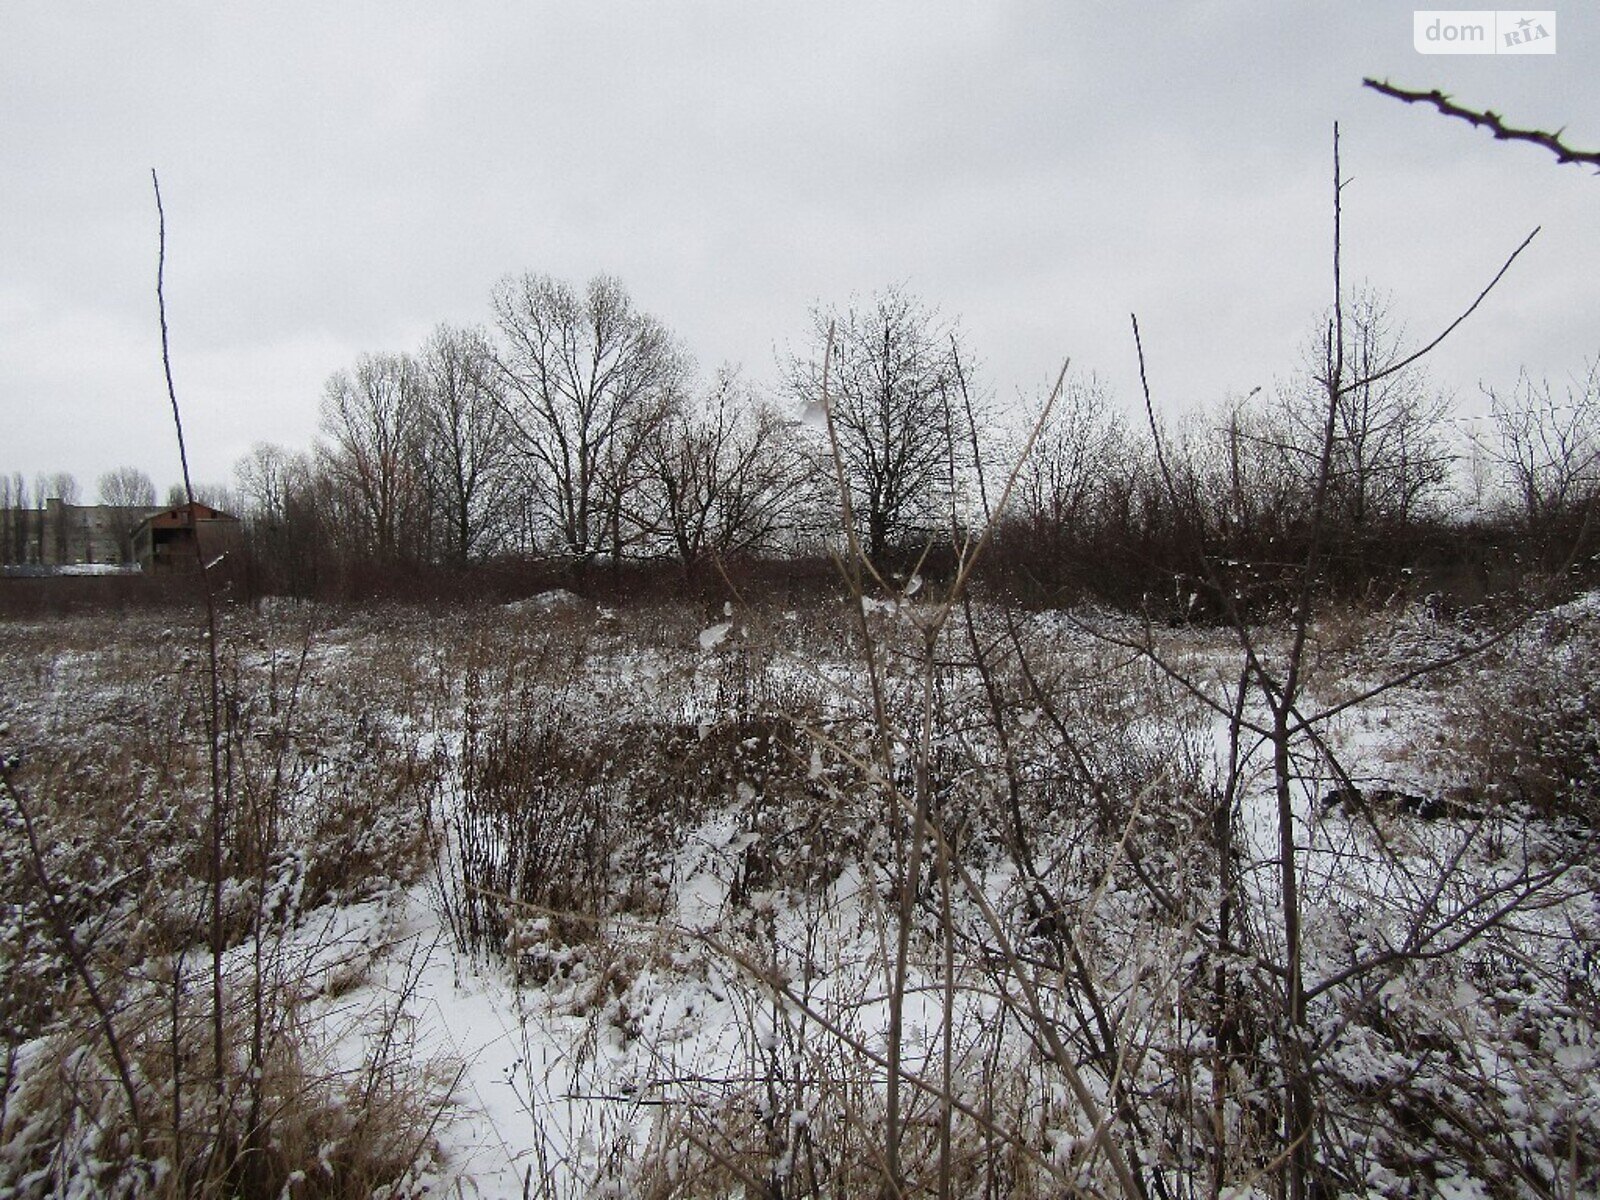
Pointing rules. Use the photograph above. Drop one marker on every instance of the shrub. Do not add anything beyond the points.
(1527, 720)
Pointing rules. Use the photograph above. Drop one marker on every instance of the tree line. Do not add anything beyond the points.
(1416, 499)
(575, 431)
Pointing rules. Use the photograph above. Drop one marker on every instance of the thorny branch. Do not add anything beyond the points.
(1491, 121)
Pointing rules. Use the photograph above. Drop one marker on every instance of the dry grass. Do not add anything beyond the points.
(548, 772)
(112, 1083)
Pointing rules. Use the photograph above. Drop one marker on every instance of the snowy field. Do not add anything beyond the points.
(560, 900)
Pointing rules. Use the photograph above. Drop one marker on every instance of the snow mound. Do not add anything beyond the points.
(555, 600)
(711, 638)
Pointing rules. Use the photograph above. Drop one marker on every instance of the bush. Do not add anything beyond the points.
(1527, 721)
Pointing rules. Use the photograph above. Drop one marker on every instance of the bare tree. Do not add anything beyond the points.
(1549, 450)
(16, 520)
(373, 420)
(586, 378)
(61, 485)
(285, 506)
(127, 487)
(724, 476)
(1390, 457)
(213, 495)
(1245, 471)
(893, 388)
(1076, 455)
(469, 450)
(264, 479)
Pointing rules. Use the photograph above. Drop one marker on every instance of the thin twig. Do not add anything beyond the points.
(213, 718)
(62, 928)
(1402, 363)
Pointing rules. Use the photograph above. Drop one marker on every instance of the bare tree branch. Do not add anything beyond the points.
(1491, 121)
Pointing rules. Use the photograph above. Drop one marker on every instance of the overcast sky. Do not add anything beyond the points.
(339, 178)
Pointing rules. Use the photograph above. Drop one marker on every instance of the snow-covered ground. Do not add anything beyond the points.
(624, 887)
